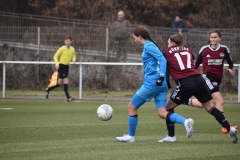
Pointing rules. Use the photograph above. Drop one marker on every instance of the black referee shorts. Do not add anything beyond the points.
(213, 83)
(63, 71)
(191, 86)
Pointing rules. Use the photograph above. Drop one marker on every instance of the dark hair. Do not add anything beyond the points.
(144, 33)
(68, 37)
(177, 39)
(209, 34)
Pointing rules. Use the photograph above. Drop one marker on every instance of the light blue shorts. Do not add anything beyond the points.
(145, 94)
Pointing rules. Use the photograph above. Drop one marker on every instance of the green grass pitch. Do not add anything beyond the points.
(59, 130)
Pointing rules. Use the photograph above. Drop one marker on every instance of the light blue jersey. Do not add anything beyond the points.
(154, 64)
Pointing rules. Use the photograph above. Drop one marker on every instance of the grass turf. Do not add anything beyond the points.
(86, 92)
(56, 129)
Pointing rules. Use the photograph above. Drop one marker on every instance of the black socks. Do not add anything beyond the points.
(65, 86)
(51, 88)
(170, 125)
(219, 117)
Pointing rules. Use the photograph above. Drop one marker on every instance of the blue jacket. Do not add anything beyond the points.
(154, 63)
(176, 25)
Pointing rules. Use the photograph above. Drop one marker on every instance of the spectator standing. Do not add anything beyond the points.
(178, 23)
(121, 31)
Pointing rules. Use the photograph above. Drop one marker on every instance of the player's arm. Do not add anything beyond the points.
(199, 60)
(193, 57)
(156, 53)
(168, 79)
(230, 62)
(56, 56)
(74, 56)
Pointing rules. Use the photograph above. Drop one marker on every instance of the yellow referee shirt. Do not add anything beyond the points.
(65, 54)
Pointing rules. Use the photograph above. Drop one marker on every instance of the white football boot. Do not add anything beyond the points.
(189, 127)
(233, 134)
(126, 138)
(168, 139)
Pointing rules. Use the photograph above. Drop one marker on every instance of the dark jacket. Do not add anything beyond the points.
(176, 25)
(121, 28)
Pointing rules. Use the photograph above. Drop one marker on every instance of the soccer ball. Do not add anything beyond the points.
(105, 112)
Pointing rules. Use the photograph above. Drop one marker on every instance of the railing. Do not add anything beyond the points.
(40, 41)
(81, 73)
(45, 32)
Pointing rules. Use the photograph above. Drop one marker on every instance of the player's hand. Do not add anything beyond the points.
(57, 67)
(168, 84)
(160, 81)
(229, 71)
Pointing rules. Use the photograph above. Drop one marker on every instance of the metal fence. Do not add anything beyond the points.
(40, 35)
(36, 38)
(40, 41)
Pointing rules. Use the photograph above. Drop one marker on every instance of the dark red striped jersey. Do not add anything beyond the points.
(180, 63)
(212, 60)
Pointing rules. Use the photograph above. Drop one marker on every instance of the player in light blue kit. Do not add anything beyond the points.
(154, 86)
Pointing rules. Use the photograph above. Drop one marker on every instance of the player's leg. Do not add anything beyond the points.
(213, 85)
(60, 81)
(175, 118)
(219, 101)
(141, 96)
(214, 88)
(221, 119)
(170, 127)
(208, 106)
(180, 94)
(219, 105)
(47, 90)
(193, 102)
(53, 84)
(51, 88)
(65, 87)
(205, 98)
(196, 103)
(160, 100)
(65, 69)
(133, 106)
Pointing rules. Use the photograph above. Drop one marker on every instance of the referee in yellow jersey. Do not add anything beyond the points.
(62, 59)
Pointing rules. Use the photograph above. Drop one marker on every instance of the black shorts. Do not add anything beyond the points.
(213, 83)
(191, 86)
(63, 71)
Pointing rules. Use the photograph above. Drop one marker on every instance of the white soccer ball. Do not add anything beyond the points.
(105, 112)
